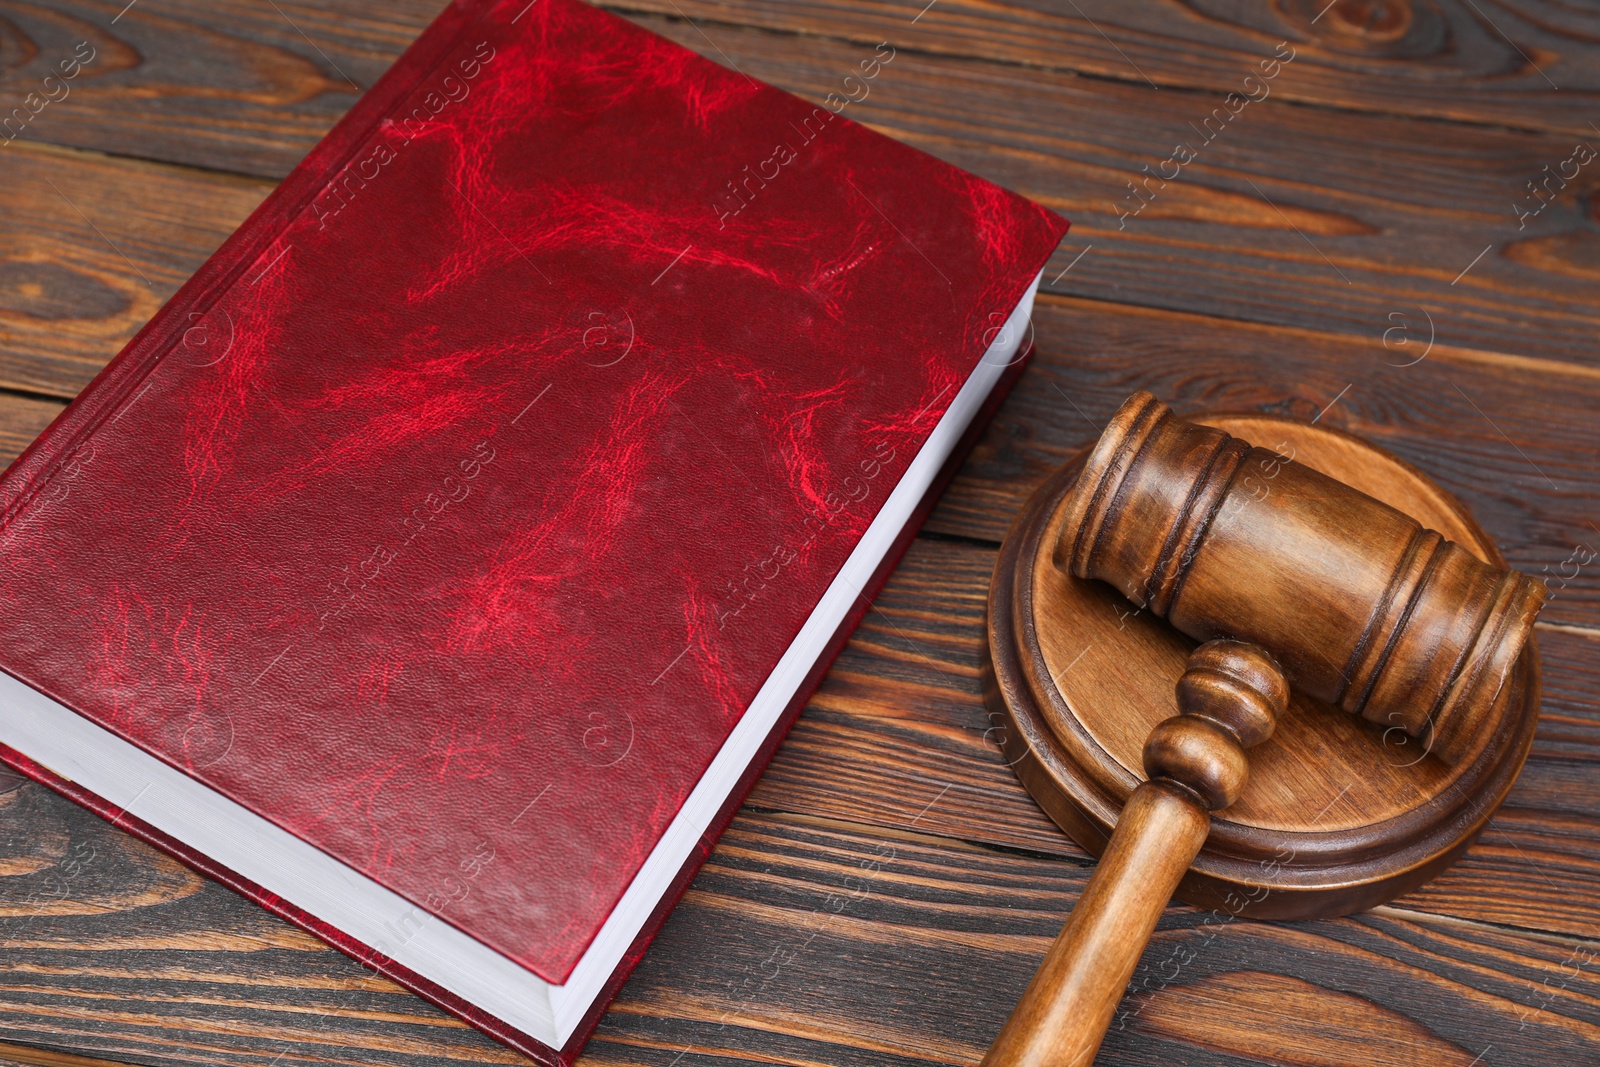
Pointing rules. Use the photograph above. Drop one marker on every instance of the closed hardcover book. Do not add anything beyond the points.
(441, 564)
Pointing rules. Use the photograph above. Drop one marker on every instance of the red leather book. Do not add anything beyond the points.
(441, 564)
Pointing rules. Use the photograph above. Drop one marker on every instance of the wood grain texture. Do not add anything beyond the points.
(1486, 64)
(1064, 1012)
(1510, 437)
(229, 86)
(1209, 297)
(111, 950)
(1569, 718)
(897, 737)
(92, 247)
(1507, 434)
(21, 420)
(802, 941)
(241, 84)
(771, 990)
(1291, 215)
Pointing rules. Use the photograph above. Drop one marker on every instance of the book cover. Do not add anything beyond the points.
(454, 515)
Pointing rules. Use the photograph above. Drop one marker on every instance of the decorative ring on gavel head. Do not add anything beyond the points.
(1363, 607)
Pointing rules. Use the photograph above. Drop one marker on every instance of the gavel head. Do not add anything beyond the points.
(1363, 607)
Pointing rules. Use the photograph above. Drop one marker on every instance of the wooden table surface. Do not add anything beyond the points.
(1362, 244)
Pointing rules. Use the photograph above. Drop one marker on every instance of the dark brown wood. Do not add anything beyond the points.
(1401, 57)
(21, 420)
(897, 751)
(803, 940)
(1506, 434)
(1304, 203)
(263, 93)
(894, 942)
(1265, 226)
(1229, 699)
(93, 247)
(897, 739)
(238, 87)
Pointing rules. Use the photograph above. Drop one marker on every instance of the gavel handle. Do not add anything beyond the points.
(1229, 699)
(1063, 1015)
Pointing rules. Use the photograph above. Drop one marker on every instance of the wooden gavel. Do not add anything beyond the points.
(1291, 577)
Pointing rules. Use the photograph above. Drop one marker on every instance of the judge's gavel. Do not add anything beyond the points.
(1291, 577)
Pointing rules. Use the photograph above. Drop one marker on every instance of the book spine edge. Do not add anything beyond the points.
(330, 935)
(70, 431)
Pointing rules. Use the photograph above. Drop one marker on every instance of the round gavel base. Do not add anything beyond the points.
(1338, 816)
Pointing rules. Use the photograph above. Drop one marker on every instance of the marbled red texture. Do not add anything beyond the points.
(418, 520)
(462, 1009)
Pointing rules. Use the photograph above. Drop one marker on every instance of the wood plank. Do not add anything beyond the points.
(903, 951)
(112, 950)
(229, 85)
(1569, 715)
(94, 246)
(898, 737)
(242, 89)
(20, 1054)
(22, 418)
(1444, 61)
(1296, 216)
(1293, 215)
(1512, 438)
(800, 942)
(1541, 855)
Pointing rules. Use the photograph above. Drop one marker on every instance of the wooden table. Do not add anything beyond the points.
(1361, 245)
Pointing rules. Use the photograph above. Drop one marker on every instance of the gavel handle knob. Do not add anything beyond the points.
(1230, 697)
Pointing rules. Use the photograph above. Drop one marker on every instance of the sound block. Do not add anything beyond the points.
(1339, 815)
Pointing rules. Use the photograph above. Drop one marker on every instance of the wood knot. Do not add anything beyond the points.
(1387, 28)
(1371, 20)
